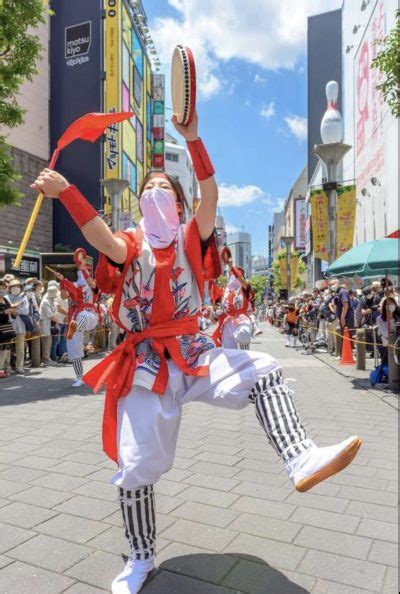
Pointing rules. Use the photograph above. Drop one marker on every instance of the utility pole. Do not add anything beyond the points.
(288, 241)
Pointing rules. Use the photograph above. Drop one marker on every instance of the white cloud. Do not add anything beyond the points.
(266, 33)
(279, 206)
(259, 80)
(234, 196)
(231, 228)
(268, 110)
(297, 126)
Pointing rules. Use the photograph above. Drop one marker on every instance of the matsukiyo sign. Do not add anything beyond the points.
(78, 39)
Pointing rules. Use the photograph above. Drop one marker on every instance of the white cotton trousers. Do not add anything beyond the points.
(86, 322)
(236, 332)
(148, 424)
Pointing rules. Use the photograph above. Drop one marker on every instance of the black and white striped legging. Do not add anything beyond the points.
(81, 326)
(77, 365)
(278, 416)
(138, 514)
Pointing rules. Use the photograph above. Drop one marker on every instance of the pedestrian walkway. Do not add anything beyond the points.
(229, 521)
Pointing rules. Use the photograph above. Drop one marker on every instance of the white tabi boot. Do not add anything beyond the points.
(317, 464)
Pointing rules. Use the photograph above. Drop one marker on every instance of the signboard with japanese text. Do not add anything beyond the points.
(370, 109)
(75, 90)
(78, 39)
(345, 219)
(158, 120)
(320, 223)
(300, 218)
(112, 86)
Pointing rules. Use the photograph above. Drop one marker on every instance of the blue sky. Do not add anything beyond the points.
(251, 66)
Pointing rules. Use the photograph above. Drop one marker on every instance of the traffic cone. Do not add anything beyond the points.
(347, 353)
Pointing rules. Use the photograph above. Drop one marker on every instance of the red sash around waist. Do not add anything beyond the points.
(117, 370)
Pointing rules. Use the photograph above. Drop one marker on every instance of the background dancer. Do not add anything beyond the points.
(234, 326)
(83, 315)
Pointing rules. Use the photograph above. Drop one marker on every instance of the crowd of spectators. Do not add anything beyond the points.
(319, 313)
(32, 311)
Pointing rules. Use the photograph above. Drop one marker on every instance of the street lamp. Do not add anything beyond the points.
(115, 188)
(288, 241)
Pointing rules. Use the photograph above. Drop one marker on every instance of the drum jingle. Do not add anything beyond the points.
(183, 85)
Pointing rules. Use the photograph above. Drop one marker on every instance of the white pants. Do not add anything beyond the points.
(148, 423)
(236, 332)
(86, 322)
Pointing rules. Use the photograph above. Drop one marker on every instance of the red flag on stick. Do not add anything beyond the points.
(88, 127)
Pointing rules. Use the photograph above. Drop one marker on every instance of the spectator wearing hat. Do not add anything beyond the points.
(7, 333)
(48, 323)
(20, 304)
(369, 305)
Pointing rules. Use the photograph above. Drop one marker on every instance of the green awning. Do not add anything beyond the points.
(373, 258)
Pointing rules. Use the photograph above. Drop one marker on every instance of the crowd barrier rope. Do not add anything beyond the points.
(316, 328)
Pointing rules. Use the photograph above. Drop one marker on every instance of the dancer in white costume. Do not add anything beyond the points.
(83, 313)
(235, 327)
(157, 273)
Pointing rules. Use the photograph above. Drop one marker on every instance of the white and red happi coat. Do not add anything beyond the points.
(158, 295)
(81, 297)
(235, 307)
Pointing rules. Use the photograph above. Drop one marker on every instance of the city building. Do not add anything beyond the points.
(30, 150)
(295, 212)
(179, 163)
(103, 61)
(369, 127)
(260, 266)
(341, 47)
(277, 231)
(240, 245)
(220, 231)
(324, 63)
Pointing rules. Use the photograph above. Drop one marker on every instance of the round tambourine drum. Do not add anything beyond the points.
(183, 85)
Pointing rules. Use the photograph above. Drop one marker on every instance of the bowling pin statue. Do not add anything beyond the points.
(332, 122)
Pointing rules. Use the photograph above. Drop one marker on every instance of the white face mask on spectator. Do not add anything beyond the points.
(392, 307)
(15, 290)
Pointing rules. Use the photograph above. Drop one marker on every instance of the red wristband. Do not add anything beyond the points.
(203, 167)
(78, 207)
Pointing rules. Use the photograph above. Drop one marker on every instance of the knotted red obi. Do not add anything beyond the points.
(163, 323)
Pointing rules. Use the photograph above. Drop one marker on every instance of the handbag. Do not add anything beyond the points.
(54, 329)
(7, 333)
(28, 322)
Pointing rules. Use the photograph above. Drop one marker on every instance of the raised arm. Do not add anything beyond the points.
(207, 209)
(94, 229)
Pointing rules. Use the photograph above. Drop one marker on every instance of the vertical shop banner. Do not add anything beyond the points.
(345, 219)
(112, 87)
(300, 218)
(370, 108)
(158, 120)
(283, 271)
(320, 223)
(294, 270)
